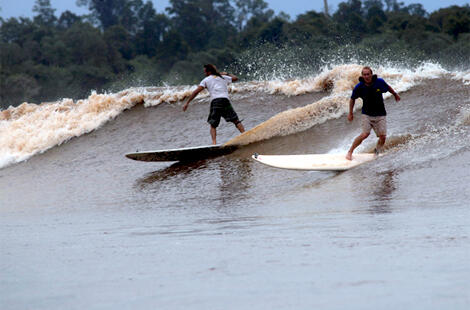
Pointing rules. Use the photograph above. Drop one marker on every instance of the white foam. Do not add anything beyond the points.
(464, 76)
(30, 129)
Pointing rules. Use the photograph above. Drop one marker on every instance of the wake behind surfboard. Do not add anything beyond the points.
(187, 154)
(319, 162)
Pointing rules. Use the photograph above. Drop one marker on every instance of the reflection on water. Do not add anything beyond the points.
(383, 192)
(176, 170)
(220, 182)
(235, 180)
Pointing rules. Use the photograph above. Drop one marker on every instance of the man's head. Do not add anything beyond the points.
(367, 74)
(210, 69)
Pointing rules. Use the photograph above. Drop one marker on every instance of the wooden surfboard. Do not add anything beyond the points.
(186, 154)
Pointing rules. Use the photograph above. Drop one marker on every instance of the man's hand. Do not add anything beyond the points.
(351, 109)
(397, 98)
(350, 117)
(193, 95)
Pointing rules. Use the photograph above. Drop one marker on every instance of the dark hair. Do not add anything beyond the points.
(212, 69)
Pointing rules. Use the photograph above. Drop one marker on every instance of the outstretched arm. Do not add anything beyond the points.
(193, 95)
(390, 89)
(351, 109)
(234, 78)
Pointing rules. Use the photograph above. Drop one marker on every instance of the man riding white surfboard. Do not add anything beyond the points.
(370, 89)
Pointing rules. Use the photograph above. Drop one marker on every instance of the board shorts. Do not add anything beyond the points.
(221, 107)
(378, 123)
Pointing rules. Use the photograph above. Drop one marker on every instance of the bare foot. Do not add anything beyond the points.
(349, 156)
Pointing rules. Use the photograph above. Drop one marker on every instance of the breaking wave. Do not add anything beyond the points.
(30, 129)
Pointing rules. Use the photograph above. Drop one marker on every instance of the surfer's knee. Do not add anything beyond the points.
(364, 135)
(239, 126)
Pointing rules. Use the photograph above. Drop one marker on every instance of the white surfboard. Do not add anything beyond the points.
(321, 162)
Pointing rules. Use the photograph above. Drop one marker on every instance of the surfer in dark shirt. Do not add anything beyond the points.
(370, 89)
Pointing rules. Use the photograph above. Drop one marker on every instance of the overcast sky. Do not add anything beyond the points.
(16, 8)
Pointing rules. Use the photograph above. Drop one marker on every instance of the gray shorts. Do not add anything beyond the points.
(378, 123)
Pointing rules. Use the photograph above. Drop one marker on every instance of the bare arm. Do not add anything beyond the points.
(351, 109)
(390, 89)
(234, 77)
(193, 95)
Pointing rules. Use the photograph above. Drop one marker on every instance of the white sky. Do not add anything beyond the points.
(17, 8)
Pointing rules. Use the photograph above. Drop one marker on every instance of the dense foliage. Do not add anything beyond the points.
(124, 43)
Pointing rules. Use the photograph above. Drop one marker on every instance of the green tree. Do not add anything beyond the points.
(67, 19)
(325, 7)
(374, 15)
(454, 20)
(44, 12)
(393, 5)
(152, 27)
(203, 23)
(309, 26)
(247, 9)
(349, 19)
(17, 88)
(173, 49)
(17, 30)
(416, 9)
(114, 12)
(273, 32)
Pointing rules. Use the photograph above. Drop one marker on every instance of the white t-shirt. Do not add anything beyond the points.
(216, 86)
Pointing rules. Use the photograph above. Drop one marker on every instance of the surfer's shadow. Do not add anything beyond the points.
(321, 177)
(176, 170)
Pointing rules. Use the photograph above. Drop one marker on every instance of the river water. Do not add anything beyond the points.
(83, 227)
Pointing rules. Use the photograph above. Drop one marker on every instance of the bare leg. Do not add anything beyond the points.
(355, 144)
(381, 143)
(240, 127)
(214, 135)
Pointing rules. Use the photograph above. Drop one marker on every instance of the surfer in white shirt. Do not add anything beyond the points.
(216, 83)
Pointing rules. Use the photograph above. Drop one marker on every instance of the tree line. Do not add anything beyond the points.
(123, 43)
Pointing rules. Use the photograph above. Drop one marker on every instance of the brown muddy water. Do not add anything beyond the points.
(82, 227)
